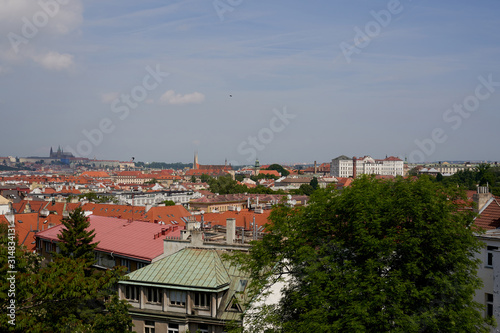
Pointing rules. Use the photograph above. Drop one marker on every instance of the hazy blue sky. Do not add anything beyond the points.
(309, 80)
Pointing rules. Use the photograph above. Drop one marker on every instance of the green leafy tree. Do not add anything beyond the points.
(75, 239)
(305, 189)
(193, 179)
(314, 183)
(169, 203)
(223, 185)
(382, 256)
(205, 178)
(484, 174)
(279, 168)
(94, 197)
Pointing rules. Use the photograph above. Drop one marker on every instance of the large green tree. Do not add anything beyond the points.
(382, 256)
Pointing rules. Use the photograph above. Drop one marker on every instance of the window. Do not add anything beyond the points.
(48, 247)
(141, 265)
(149, 326)
(490, 250)
(132, 293)
(154, 295)
(173, 328)
(177, 298)
(126, 263)
(489, 305)
(201, 300)
(203, 328)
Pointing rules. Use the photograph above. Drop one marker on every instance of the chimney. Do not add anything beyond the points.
(197, 238)
(354, 167)
(315, 168)
(230, 230)
(481, 197)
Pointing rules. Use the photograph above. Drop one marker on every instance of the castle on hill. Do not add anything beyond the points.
(59, 153)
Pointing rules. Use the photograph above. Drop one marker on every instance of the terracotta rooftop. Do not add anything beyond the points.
(135, 239)
(489, 217)
(243, 218)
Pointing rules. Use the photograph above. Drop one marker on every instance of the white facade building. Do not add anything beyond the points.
(179, 197)
(343, 166)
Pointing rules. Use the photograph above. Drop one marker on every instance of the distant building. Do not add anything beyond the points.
(210, 170)
(344, 166)
(59, 153)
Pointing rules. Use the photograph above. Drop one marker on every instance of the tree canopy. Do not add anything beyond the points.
(227, 185)
(278, 168)
(379, 256)
(483, 174)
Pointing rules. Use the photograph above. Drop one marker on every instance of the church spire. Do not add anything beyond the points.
(195, 163)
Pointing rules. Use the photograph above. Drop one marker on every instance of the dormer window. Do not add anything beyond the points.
(177, 298)
(201, 300)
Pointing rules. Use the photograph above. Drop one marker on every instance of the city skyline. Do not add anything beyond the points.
(239, 80)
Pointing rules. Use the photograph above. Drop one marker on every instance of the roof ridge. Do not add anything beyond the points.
(487, 204)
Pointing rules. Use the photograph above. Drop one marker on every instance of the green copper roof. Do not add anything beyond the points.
(195, 268)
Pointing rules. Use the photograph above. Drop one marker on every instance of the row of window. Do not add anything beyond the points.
(176, 297)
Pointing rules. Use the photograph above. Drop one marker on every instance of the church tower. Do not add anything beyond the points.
(257, 167)
(195, 163)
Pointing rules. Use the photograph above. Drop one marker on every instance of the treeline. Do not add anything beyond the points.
(482, 175)
(163, 165)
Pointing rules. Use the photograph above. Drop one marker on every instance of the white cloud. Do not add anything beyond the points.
(107, 98)
(55, 60)
(52, 16)
(170, 97)
(29, 26)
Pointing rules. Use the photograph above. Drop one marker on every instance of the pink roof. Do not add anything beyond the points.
(135, 239)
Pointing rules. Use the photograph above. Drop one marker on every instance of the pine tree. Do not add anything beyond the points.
(75, 239)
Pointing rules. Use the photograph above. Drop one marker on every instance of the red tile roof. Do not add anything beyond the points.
(56, 208)
(167, 214)
(95, 174)
(118, 211)
(155, 214)
(490, 216)
(26, 225)
(243, 218)
(270, 172)
(135, 239)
